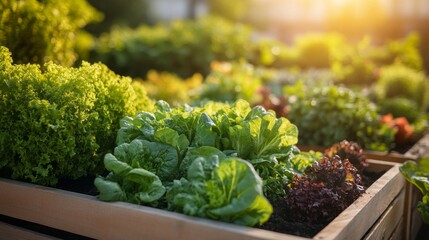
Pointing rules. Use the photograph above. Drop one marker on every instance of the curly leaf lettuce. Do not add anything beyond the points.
(418, 175)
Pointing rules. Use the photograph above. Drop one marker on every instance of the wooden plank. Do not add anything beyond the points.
(416, 223)
(388, 222)
(359, 217)
(12, 232)
(420, 149)
(398, 234)
(416, 220)
(87, 216)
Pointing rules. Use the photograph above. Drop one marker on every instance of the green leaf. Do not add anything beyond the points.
(109, 191)
(159, 158)
(193, 153)
(187, 197)
(423, 208)
(418, 175)
(204, 135)
(171, 137)
(117, 167)
(235, 194)
(146, 186)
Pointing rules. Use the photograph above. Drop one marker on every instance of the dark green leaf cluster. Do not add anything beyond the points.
(418, 175)
(58, 123)
(182, 47)
(328, 187)
(42, 31)
(329, 114)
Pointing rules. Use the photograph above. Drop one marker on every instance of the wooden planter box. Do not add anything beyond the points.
(413, 221)
(377, 213)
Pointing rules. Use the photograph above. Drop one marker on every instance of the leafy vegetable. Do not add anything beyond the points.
(418, 175)
(59, 123)
(349, 150)
(326, 115)
(215, 161)
(231, 192)
(158, 158)
(124, 183)
(133, 52)
(43, 31)
(322, 192)
(253, 134)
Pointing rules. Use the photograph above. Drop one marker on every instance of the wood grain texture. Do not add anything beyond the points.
(389, 222)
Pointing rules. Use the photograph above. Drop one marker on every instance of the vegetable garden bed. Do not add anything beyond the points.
(380, 211)
(419, 150)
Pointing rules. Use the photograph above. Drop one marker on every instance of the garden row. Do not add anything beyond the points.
(222, 144)
(227, 162)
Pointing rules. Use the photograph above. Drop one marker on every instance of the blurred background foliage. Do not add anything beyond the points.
(368, 52)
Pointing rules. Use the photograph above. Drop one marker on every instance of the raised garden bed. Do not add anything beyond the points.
(378, 212)
(413, 222)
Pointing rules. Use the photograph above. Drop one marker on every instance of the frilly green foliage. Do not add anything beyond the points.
(58, 123)
(42, 31)
(325, 115)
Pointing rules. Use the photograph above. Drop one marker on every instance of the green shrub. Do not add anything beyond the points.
(228, 82)
(325, 115)
(59, 123)
(404, 82)
(353, 67)
(317, 50)
(400, 107)
(183, 47)
(42, 31)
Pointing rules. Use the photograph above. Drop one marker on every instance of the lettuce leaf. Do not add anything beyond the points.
(228, 190)
(124, 183)
(418, 175)
(159, 158)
